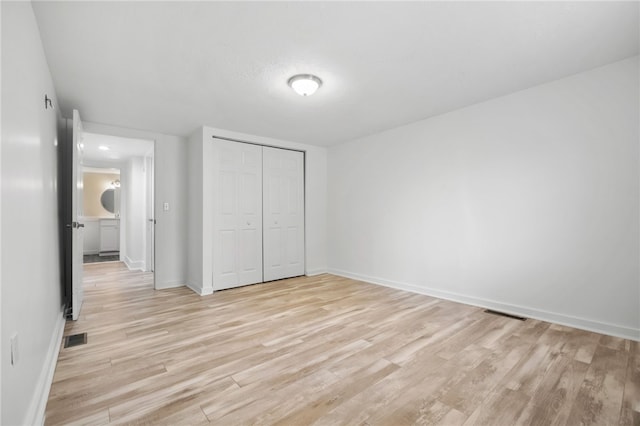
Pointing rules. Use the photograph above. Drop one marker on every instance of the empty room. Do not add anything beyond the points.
(328, 213)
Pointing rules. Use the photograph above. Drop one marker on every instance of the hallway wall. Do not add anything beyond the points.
(134, 191)
(170, 157)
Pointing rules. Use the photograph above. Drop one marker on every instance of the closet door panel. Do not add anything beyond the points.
(250, 217)
(293, 249)
(283, 199)
(228, 249)
(237, 245)
(224, 237)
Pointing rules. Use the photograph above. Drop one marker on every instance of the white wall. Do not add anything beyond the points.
(195, 250)
(133, 185)
(170, 186)
(30, 271)
(1, 335)
(200, 199)
(170, 157)
(526, 203)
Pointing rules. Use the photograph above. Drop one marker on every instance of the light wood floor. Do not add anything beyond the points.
(328, 350)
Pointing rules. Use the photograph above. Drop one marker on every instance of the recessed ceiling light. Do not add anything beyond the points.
(103, 148)
(305, 84)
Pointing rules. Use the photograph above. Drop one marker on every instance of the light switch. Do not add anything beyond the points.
(166, 207)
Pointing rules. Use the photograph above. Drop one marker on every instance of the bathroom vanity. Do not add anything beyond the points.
(109, 235)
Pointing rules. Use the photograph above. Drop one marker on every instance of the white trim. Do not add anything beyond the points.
(553, 317)
(213, 132)
(36, 412)
(134, 265)
(319, 271)
(199, 290)
(169, 284)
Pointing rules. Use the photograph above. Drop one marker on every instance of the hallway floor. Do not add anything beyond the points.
(96, 258)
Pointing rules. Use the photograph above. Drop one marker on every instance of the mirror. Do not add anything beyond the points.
(108, 200)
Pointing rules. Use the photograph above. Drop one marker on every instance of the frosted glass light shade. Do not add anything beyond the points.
(305, 84)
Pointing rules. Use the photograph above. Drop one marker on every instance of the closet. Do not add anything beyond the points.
(257, 213)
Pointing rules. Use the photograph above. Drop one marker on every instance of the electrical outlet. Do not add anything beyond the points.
(166, 207)
(14, 349)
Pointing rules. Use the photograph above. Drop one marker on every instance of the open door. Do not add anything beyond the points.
(151, 221)
(76, 226)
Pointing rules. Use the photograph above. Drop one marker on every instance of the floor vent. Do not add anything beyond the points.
(75, 340)
(502, 314)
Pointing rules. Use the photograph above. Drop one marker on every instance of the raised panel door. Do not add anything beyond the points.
(237, 224)
(283, 220)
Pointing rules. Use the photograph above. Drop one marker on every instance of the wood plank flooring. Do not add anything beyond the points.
(327, 350)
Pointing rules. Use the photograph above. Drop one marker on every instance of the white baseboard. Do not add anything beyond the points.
(199, 290)
(36, 412)
(313, 272)
(523, 311)
(134, 265)
(169, 284)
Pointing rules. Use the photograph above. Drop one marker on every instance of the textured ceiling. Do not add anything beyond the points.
(172, 66)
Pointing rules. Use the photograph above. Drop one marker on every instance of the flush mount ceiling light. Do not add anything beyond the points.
(103, 148)
(305, 84)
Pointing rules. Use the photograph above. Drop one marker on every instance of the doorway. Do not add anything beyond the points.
(101, 208)
(118, 200)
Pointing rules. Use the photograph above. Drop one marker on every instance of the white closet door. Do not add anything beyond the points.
(283, 213)
(237, 239)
